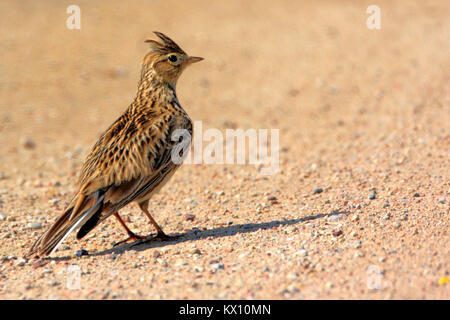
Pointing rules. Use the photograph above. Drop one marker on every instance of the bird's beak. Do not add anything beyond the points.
(193, 60)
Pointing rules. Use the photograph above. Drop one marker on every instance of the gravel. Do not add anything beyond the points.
(380, 131)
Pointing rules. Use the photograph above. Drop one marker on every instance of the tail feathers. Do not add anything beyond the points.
(68, 222)
(90, 224)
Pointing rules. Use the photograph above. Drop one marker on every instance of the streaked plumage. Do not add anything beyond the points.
(132, 159)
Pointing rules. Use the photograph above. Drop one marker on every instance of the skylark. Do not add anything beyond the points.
(132, 160)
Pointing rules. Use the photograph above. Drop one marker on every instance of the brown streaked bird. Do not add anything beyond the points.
(132, 160)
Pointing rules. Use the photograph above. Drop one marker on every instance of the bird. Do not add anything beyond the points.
(134, 158)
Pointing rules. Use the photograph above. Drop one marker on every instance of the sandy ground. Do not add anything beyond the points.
(363, 115)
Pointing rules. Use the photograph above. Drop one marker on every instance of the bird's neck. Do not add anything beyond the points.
(153, 88)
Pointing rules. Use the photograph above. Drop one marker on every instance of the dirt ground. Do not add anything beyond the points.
(359, 208)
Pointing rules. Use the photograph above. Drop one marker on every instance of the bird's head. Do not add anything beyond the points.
(166, 60)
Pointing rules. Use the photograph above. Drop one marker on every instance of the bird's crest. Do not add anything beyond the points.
(166, 45)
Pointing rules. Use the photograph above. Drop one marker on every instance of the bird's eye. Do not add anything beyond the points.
(173, 58)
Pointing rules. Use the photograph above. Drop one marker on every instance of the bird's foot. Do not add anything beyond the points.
(161, 236)
(132, 237)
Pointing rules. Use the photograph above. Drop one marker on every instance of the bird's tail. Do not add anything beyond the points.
(79, 211)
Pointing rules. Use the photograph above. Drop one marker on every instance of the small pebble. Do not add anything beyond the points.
(198, 269)
(28, 143)
(293, 288)
(218, 266)
(373, 195)
(317, 190)
(337, 233)
(242, 255)
(20, 262)
(335, 218)
(156, 254)
(396, 225)
(81, 253)
(292, 276)
(2, 216)
(416, 195)
(356, 244)
(189, 217)
(35, 225)
(271, 198)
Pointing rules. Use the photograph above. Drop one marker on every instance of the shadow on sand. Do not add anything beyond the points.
(193, 235)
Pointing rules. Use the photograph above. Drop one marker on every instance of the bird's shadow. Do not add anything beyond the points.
(197, 234)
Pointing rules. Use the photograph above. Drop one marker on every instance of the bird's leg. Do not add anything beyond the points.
(160, 233)
(131, 235)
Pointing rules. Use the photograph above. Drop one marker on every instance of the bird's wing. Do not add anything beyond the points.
(124, 152)
(147, 166)
(131, 150)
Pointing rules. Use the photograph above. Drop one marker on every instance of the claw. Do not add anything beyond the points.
(132, 237)
(161, 236)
